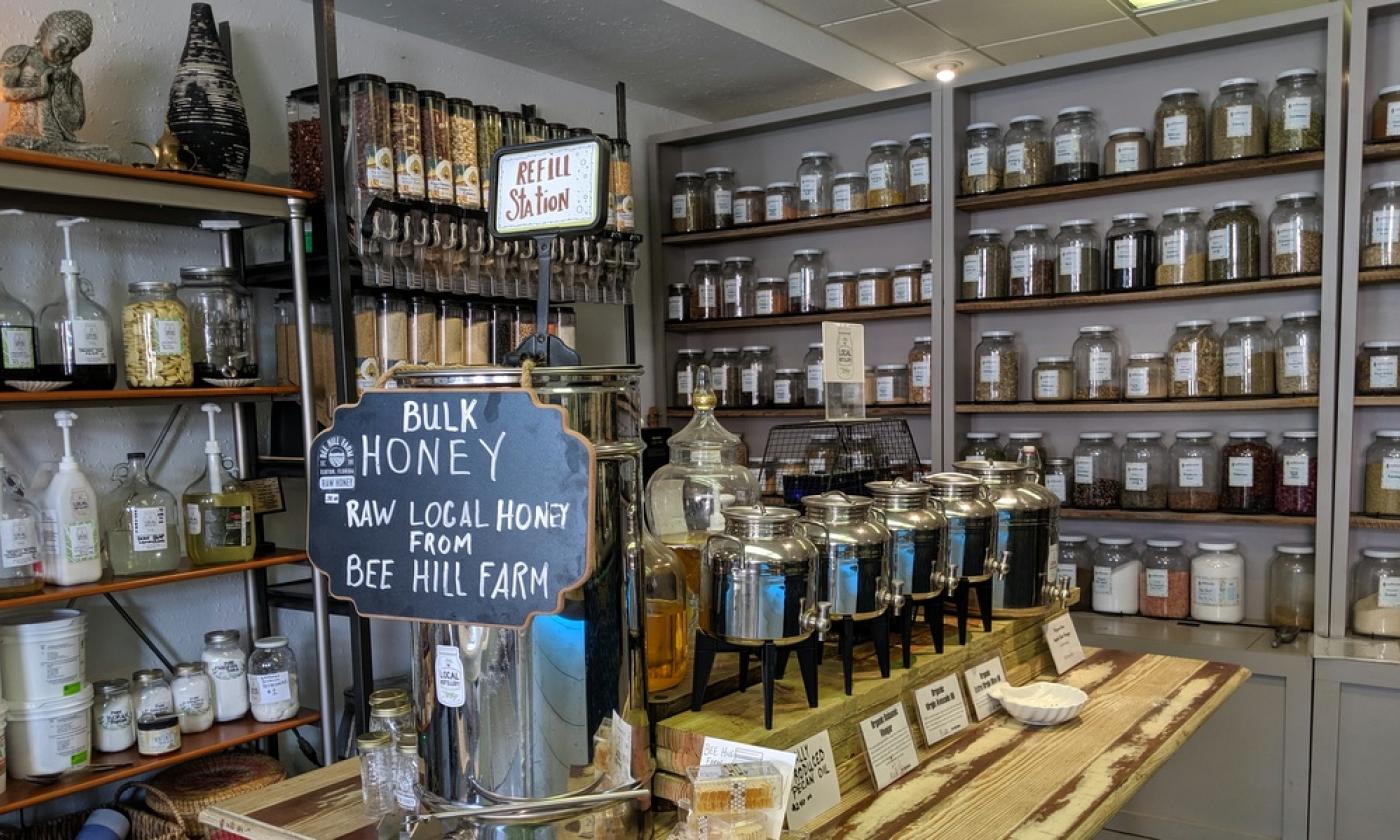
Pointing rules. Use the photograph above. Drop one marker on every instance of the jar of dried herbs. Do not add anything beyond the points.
(1247, 473)
(1027, 151)
(1144, 472)
(1074, 146)
(918, 167)
(1298, 351)
(1247, 358)
(1181, 248)
(1181, 129)
(1385, 114)
(1295, 235)
(1147, 376)
(1378, 368)
(984, 266)
(1380, 226)
(998, 374)
(1131, 251)
(1232, 243)
(984, 163)
(1193, 473)
(884, 174)
(1296, 112)
(1382, 497)
(1053, 379)
(1079, 258)
(688, 203)
(719, 197)
(1128, 150)
(1097, 472)
(1032, 262)
(1238, 121)
(1097, 360)
(1195, 355)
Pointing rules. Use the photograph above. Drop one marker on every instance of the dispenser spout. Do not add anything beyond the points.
(212, 451)
(69, 265)
(64, 418)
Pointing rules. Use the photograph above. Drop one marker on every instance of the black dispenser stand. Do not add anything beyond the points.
(772, 660)
(879, 631)
(984, 605)
(933, 616)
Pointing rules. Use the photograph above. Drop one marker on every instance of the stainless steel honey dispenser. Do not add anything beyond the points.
(1027, 535)
(972, 528)
(918, 552)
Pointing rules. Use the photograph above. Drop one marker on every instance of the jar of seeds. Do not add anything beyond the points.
(998, 373)
(1380, 226)
(1144, 472)
(1238, 121)
(918, 167)
(983, 159)
(1193, 471)
(1295, 235)
(1382, 496)
(1147, 376)
(848, 192)
(1181, 129)
(884, 174)
(1296, 112)
(1298, 351)
(156, 337)
(984, 266)
(1232, 243)
(1181, 248)
(1032, 261)
(1097, 359)
(1027, 152)
(719, 197)
(1079, 258)
(1074, 146)
(1097, 472)
(1128, 150)
(1195, 356)
(1247, 358)
(1378, 368)
(1247, 473)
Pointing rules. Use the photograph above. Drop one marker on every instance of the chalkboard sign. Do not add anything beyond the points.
(554, 187)
(471, 505)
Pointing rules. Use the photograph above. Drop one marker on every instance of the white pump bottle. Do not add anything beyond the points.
(71, 534)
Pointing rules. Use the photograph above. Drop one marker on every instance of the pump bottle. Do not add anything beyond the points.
(75, 334)
(71, 535)
(219, 526)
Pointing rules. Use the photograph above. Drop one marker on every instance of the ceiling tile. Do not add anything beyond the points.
(926, 66)
(981, 22)
(818, 12)
(1067, 41)
(894, 36)
(1211, 12)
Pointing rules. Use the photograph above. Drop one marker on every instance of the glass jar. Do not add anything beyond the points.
(142, 536)
(1247, 358)
(874, 288)
(705, 284)
(272, 680)
(452, 334)
(1097, 358)
(1380, 226)
(377, 776)
(1295, 474)
(437, 145)
(157, 734)
(466, 172)
(737, 287)
(1075, 140)
(780, 201)
(848, 192)
(869, 385)
(678, 296)
(1144, 472)
(1378, 368)
(153, 695)
(1054, 379)
(822, 451)
(1097, 472)
(789, 388)
(841, 289)
(1128, 150)
(194, 697)
(688, 361)
(113, 717)
(926, 282)
(904, 285)
(20, 528)
(984, 163)
(725, 377)
(1298, 346)
(1296, 112)
(892, 384)
(719, 197)
(1217, 583)
(669, 619)
(921, 370)
(806, 281)
(814, 175)
(1194, 473)
(1017, 441)
(1375, 593)
(812, 368)
(1290, 588)
(1232, 243)
(756, 375)
(1026, 152)
(1295, 235)
(884, 174)
(407, 131)
(1117, 570)
(688, 202)
(422, 334)
(227, 666)
(1166, 580)
(155, 335)
(1131, 251)
(1059, 480)
(1147, 376)
(1382, 496)
(223, 329)
(981, 446)
(488, 140)
(394, 714)
(918, 168)
(1181, 248)
(1247, 473)
(748, 205)
(770, 296)
(1031, 256)
(1195, 357)
(1079, 258)
(1181, 129)
(985, 269)
(998, 368)
(1238, 121)
(1385, 114)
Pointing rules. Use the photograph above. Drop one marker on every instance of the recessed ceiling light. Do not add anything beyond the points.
(946, 71)
(1145, 5)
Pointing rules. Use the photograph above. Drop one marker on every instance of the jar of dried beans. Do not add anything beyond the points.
(1097, 360)
(1247, 354)
(1295, 474)
(1166, 580)
(998, 372)
(1097, 472)
(1144, 472)
(1247, 473)
(1378, 368)
(304, 140)
(1298, 349)
(1193, 473)
(1031, 256)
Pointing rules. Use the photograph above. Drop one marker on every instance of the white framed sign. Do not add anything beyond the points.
(554, 187)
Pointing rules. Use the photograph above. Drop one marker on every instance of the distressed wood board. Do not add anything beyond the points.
(324, 804)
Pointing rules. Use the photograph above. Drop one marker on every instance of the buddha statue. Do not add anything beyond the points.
(45, 95)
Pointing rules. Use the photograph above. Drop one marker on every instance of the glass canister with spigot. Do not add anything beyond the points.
(223, 333)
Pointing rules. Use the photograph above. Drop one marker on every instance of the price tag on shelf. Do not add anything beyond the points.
(889, 746)
(980, 679)
(815, 788)
(941, 709)
(1063, 641)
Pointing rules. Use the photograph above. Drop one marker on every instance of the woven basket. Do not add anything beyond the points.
(144, 824)
(186, 790)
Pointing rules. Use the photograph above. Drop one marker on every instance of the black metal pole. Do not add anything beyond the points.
(629, 317)
(140, 634)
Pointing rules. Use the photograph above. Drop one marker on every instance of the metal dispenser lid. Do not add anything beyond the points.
(995, 472)
(953, 485)
(759, 513)
(900, 487)
(835, 500)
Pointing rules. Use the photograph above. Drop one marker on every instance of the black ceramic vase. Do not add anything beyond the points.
(206, 110)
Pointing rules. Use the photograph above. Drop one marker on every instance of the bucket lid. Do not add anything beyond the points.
(24, 624)
(32, 709)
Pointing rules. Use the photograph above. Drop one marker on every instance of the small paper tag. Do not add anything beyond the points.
(267, 494)
(448, 679)
(1064, 644)
(843, 353)
(815, 788)
(620, 766)
(941, 709)
(980, 679)
(889, 746)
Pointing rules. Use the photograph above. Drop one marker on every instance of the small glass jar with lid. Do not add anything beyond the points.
(1382, 496)
(1181, 248)
(1194, 473)
(1075, 146)
(1166, 580)
(688, 202)
(848, 192)
(1380, 226)
(874, 288)
(1054, 379)
(719, 197)
(840, 291)
(705, 290)
(918, 168)
(1232, 243)
(985, 269)
(921, 370)
(1291, 579)
(1027, 152)
(748, 205)
(1378, 368)
(984, 162)
(1076, 556)
(926, 282)
(1295, 235)
(884, 174)
(780, 201)
(1239, 122)
(1098, 478)
(981, 446)
(725, 377)
(756, 368)
(1247, 473)
(1195, 359)
(1098, 358)
(1180, 129)
(770, 296)
(1147, 376)
(1247, 358)
(1017, 441)
(998, 373)
(1298, 349)
(892, 384)
(678, 297)
(1059, 480)
(1144, 472)
(1031, 256)
(155, 337)
(1079, 258)
(737, 287)
(153, 696)
(812, 369)
(194, 697)
(1117, 571)
(789, 388)
(1385, 114)
(113, 716)
(1296, 112)
(904, 285)
(1295, 473)
(688, 361)
(1128, 150)
(1217, 583)
(1130, 250)
(814, 176)
(806, 281)
(1375, 593)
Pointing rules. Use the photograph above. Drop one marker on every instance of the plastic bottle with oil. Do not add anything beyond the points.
(219, 526)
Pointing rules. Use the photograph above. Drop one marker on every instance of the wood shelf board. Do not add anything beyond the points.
(1207, 290)
(1174, 406)
(838, 221)
(1157, 179)
(848, 316)
(1378, 276)
(1374, 523)
(916, 410)
(63, 396)
(1378, 402)
(1380, 150)
(1185, 518)
(21, 794)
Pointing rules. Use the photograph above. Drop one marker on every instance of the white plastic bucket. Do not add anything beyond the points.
(43, 655)
(49, 736)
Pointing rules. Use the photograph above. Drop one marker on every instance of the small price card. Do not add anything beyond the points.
(980, 679)
(941, 709)
(1064, 644)
(889, 746)
(815, 788)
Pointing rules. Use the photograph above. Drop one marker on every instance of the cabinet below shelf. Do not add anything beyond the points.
(1173, 406)
(1184, 518)
(61, 397)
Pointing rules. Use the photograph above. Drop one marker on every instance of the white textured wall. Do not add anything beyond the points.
(126, 73)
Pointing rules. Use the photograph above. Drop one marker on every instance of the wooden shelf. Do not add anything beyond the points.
(63, 396)
(1188, 518)
(889, 313)
(1381, 150)
(1254, 287)
(1137, 182)
(839, 221)
(21, 794)
(1378, 276)
(1374, 523)
(1174, 406)
(57, 594)
(1378, 402)
(916, 410)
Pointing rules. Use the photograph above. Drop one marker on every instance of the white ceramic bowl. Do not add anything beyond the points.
(34, 385)
(1040, 703)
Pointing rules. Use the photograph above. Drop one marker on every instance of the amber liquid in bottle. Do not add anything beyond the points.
(667, 646)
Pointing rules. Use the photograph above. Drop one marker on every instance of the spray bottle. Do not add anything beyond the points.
(71, 535)
(75, 334)
(219, 526)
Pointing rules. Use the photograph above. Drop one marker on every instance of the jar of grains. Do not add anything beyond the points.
(1144, 472)
(984, 163)
(1059, 480)
(904, 285)
(806, 279)
(1194, 473)
(1291, 581)
(874, 288)
(1296, 112)
(1247, 358)
(422, 337)
(840, 291)
(984, 266)
(1380, 226)
(1238, 121)
(770, 296)
(892, 384)
(756, 367)
(1295, 235)
(998, 368)
(1385, 114)
(884, 174)
(437, 145)
(1128, 150)
(748, 205)
(1232, 243)
(848, 192)
(1181, 129)
(1166, 580)
(724, 377)
(921, 370)
(1181, 247)
(814, 176)
(981, 446)
(789, 387)
(1097, 360)
(688, 362)
(1131, 251)
(780, 202)
(1075, 146)
(1079, 258)
(737, 287)
(1217, 583)
(1195, 356)
(155, 336)
(812, 367)
(1375, 593)
(704, 285)
(1147, 376)
(1378, 368)
(1117, 570)
(1295, 474)
(1097, 472)
(1382, 496)
(1027, 152)
(1054, 379)
(1247, 473)
(1298, 349)
(719, 197)
(688, 202)
(1031, 255)
(918, 168)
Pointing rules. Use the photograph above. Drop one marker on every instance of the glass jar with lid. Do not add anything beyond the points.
(719, 197)
(688, 202)
(688, 361)
(1059, 480)
(984, 163)
(812, 369)
(155, 336)
(1054, 379)
(981, 446)
(1031, 256)
(884, 174)
(921, 370)
(1247, 473)
(926, 282)
(1232, 243)
(1147, 376)
(770, 296)
(789, 388)
(1217, 583)
(1097, 472)
(1117, 570)
(678, 296)
(1076, 557)
(918, 168)
(1026, 152)
(436, 135)
(737, 287)
(1380, 226)
(1295, 235)
(1018, 441)
(1131, 253)
(756, 367)
(806, 281)
(1375, 593)
(1238, 121)
(1385, 114)
(113, 717)
(840, 292)
(1382, 496)
(1195, 358)
(1378, 368)
(1194, 473)
(985, 269)
(705, 289)
(1291, 578)
(998, 374)
(780, 201)
(1097, 360)
(1075, 146)
(1298, 349)
(272, 680)
(194, 697)
(1181, 129)
(1128, 150)
(153, 696)
(223, 330)
(1166, 580)
(1079, 258)
(1247, 358)
(904, 285)
(1181, 247)
(1296, 112)
(748, 205)
(725, 377)
(814, 176)
(892, 384)
(848, 192)
(1295, 473)
(874, 288)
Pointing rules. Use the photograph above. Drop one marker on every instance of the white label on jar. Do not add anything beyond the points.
(976, 162)
(675, 307)
(81, 543)
(193, 704)
(918, 172)
(1173, 249)
(1190, 472)
(723, 202)
(1066, 149)
(678, 205)
(90, 343)
(1217, 592)
(19, 543)
(741, 213)
(1174, 131)
(192, 520)
(410, 175)
(16, 347)
(795, 286)
(814, 377)
(707, 297)
(1157, 583)
(269, 688)
(877, 176)
(148, 531)
(1100, 366)
(1385, 226)
(884, 389)
(1239, 120)
(1241, 471)
(1295, 470)
(1071, 259)
(1233, 364)
(841, 198)
(1056, 484)
(1390, 474)
(1218, 241)
(833, 296)
(685, 382)
(773, 208)
(1392, 119)
(1384, 370)
(763, 302)
(719, 382)
(731, 290)
(1015, 158)
(1137, 382)
(919, 374)
(972, 269)
(807, 187)
(1295, 361)
(782, 391)
(1047, 385)
(1184, 366)
(1297, 113)
(748, 380)
(926, 285)
(865, 293)
(1135, 476)
(169, 337)
(378, 176)
(903, 290)
(115, 718)
(1103, 580)
(1125, 157)
(989, 369)
(1125, 252)
(1083, 469)
(1021, 263)
(1388, 591)
(1285, 239)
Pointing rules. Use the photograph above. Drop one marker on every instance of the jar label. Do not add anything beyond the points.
(926, 286)
(976, 162)
(989, 369)
(814, 377)
(808, 188)
(841, 198)
(1083, 469)
(1184, 366)
(409, 175)
(1066, 149)
(1100, 366)
(16, 347)
(90, 344)
(1021, 263)
(226, 527)
(678, 206)
(972, 269)
(1392, 119)
(440, 182)
(168, 337)
(919, 374)
(270, 688)
(1388, 591)
(192, 704)
(1157, 586)
(1103, 580)
(148, 529)
(731, 291)
(192, 520)
(1241, 471)
(723, 202)
(1071, 260)
(782, 392)
(1239, 120)
(1295, 361)
(1390, 474)
(748, 380)
(80, 542)
(1384, 370)
(884, 389)
(719, 380)
(1126, 157)
(1055, 483)
(1217, 592)
(1137, 382)
(795, 286)
(918, 172)
(1297, 113)
(226, 667)
(1233, 362)
(675, 307)
(865, 293)
(685, 383)
(1135, 476)
(878, 176)
(1285, 239)
(773, 208)
(1190, 472)
(1047, 385)
(378, 174)
(834, 296)
(707, 297)
(1385, 226)
(1124, 252)
(1218, 241)
(465, 188)
(1295, 470)
(115, 717)
(741, 213)
(19, 542)
(763, 302)
(903, 290)
(1174, 248)
(1015, 158)
(1174, 131)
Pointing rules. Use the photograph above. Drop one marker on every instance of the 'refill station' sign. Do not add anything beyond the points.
(554, 187)
(470, 505)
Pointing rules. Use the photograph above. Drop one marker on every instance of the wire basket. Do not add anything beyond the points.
(802, 459)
